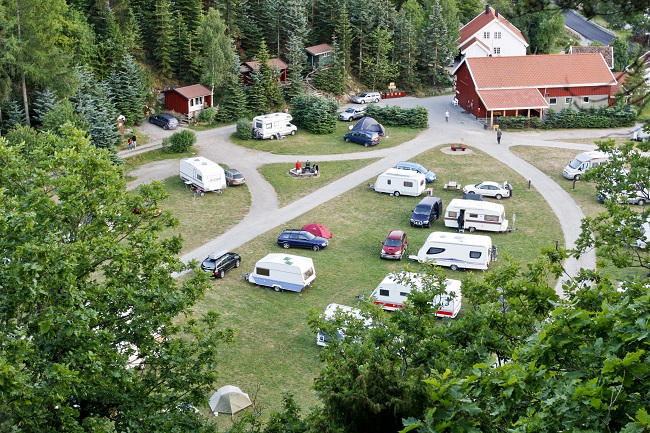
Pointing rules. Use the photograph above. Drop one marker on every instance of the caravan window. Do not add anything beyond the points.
(269, 125)
(258, 124)
(384, 292)
(408, 184)
(388, 181)
(473, 215)
(435, 250)
(262, 271)
(199, 177)
(308, 273)
(475, 254)
(452, 214)
(403, 294)
(492, 218)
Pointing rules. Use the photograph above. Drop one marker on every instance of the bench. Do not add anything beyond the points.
(451, 185)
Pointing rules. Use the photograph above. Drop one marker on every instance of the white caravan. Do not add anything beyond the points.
(391, 294)
(273, 126)
(400, 182)
(583, 162)
(348, 313)
(457, 251)
(476, 215)
(202, 175)
(283, 272)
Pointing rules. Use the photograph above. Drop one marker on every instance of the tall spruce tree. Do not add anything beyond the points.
(256, 93)
(296, 63)
(129, 89)
(405, 50)
(164, 40)
(233, 105)
(14, 116)
(343, 36)
(44, 102)
(435, 48)
(270, 79)
(380, 69)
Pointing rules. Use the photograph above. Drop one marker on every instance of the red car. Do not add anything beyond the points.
(394, 246)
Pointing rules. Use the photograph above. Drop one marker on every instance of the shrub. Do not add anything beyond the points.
(207, 115)
(244, 129)
(417, 117)
(314, 113)
(179, 142)
(603, 117)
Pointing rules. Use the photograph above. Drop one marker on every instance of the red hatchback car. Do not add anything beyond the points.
(394, 246)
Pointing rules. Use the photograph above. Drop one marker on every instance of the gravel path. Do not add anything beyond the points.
(265, 214)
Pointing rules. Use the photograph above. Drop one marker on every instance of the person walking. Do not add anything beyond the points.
(447, 116)
(133, 141)
(498, 136)
(129, 143)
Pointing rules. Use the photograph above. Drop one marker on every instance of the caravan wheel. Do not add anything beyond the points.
(396, 193)
(293, 132)
(472, 229)
(273, 137)
(453, 267)
(277, 288)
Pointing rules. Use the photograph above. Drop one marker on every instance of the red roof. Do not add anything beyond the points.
(317, 50)
(512, 99)
(546, 70)
(193, 91)
(482, 20)
(254, 64)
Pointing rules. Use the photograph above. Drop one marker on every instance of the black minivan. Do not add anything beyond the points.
(427, 211)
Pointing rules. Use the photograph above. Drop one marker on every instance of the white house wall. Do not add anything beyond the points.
(509, 44)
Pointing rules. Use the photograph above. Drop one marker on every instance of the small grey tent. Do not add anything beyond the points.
(369, 124)
(229, 399)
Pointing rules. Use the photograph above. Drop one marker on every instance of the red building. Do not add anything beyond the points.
(247, 67)
(188, 100)
(489, 87)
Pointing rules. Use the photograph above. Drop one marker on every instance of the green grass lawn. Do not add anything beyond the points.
(305, 143)
(275, 350)
(289, 189)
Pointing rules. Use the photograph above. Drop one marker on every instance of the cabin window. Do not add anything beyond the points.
(486, 35)
(492, 218)
(384, 292)
(552, 101)
(408, 184)
(497, 50)
(435, 250)
(568, 101)
(452, 214)
(473, 215)
(199, 177)
(262, 271)
(475, 254)
(308, 273)
(585, 99)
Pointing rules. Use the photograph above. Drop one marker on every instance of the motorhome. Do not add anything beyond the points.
(583, 162)
(476, 215)
(273, 126)
(392, 292)
(283, 272)
(457, 251)
(400, 182)
(202, 175)
(348, 314)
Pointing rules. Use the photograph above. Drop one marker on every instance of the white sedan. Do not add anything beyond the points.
(490, 189)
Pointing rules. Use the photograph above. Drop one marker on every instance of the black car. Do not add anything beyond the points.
(217, 264)
(301, 239)
(165, 121)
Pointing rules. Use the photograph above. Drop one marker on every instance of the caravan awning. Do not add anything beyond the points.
(512, 99)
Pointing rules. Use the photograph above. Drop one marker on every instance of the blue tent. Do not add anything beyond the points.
(369, 124)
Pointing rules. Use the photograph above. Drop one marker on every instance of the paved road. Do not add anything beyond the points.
(587, 29)
(265, 214)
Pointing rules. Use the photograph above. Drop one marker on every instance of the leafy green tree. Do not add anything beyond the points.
(621, 54)
(314, 113)
(468, 10)
(179, 142)
(62, 116)
(543, 30)
(380, 69)
(217, 49)
(89, 338)
(250, 27)
(129, 89)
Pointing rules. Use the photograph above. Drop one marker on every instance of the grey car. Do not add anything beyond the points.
(165, 121)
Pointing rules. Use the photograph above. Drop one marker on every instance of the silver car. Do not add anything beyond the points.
(366, 97)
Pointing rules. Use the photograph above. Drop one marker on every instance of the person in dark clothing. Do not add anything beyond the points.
(133, 141)
(461, 221)
(498, 136)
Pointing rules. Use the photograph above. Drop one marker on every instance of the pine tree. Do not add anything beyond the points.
(250, 27)
(14, 115)
(128, 90)
(44, 102)
(296, 61)
(164, 45)
(233, 105)
(343, 36)
(406, 54)
(435, 48)
(380, 69)
(269, 79)
(256, 93)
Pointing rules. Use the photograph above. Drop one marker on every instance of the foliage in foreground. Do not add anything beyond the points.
(179, 142)
(88, 340)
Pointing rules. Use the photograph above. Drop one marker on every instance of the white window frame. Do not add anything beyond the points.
(497, 35)
(568, 100)
(486, 35)
(552, 101)
(585, 99)
(497, 50)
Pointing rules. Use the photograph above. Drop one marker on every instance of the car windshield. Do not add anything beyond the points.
(575, 163)
(422, 210)
(392, 242)
(350, 110)
(309, 235)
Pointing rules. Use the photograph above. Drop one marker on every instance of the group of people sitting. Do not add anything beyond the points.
(308, 168)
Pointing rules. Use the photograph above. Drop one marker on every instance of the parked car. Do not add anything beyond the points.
(301, 239)
(366, 97)
(165, 121)
(640, 198)
(394, 246)
(639, 135)
(353, 113)
(234, 177)
(407, 165)
(489, 189)
(366, 138)
(218, 263)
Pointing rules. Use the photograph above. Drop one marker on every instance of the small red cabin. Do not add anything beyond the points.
(188, 100)
(247, 67)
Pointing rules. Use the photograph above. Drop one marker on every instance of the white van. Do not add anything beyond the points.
(202, 175)
(400, 182)
(583, 162)
(391, 294)
(457, 251)
(273, 126)
(330, 313)
(477, 215)
(283, 272)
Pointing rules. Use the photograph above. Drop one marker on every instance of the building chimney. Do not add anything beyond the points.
(487, 9)
(496, 13)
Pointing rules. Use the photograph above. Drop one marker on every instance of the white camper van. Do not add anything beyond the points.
(273, 126)
(583, 162)
(457, 251)
(476, 215)
(330, 312)
(400, 182)
(283, 272)
(202, 175)
(391, 294)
